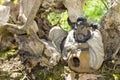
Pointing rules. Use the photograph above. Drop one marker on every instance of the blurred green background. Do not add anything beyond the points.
(93, 9)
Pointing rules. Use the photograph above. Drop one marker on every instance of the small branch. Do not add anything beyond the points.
(32, 14)
(12, 28)
(13, 25)
(22, 29)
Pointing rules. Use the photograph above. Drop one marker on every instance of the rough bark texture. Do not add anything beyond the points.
(110, 29)
(75, 8)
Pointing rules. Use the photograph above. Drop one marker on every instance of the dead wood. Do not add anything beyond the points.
(75, 8)
(111, 31)
(32, 13)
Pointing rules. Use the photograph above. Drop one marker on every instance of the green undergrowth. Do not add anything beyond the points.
(7, 53)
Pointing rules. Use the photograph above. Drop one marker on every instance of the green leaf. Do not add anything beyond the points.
(62, 18)
(28, 32)
(15, 1)
(116, 76)
(10, 52)
(94, 9)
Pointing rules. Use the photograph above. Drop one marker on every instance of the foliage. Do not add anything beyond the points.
(53, 18)
(116, 76)
(7, 53)
(63, 21)
(94, 9)
(15, 1)
(60, 19)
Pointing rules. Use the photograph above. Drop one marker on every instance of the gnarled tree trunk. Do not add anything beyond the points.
(110, 29)
(32, 40)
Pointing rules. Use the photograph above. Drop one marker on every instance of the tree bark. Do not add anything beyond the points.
(75, 8)
(110, 29)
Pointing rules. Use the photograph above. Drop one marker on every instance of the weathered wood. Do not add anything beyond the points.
(30, 43)
(54, 5)
(32, 13)
(75, 8)
(110, 30)
(14, 11)
(50, 57)
(4, 17)
(44, 26)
